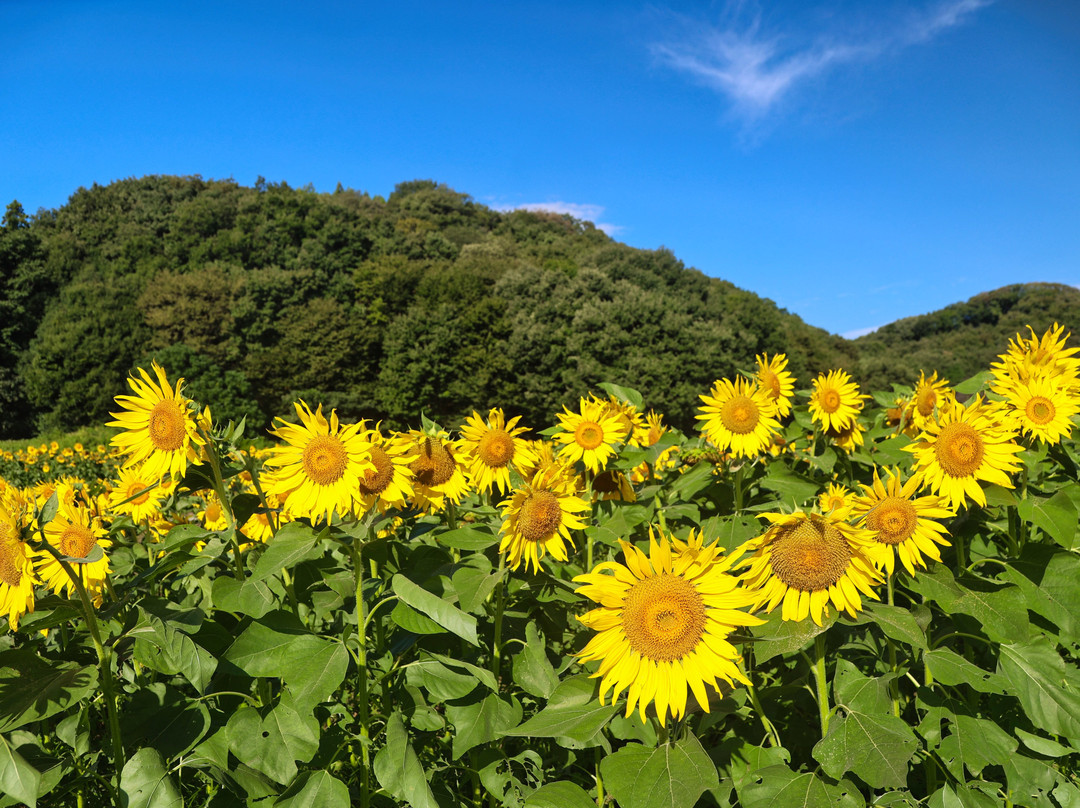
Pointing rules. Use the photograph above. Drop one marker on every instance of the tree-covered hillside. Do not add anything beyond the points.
(426, 301)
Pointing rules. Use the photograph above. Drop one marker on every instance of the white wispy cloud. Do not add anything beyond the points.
(860, 332)
(587, 213)
(756, 69)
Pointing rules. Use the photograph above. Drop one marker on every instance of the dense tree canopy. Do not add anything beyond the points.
(384, 308)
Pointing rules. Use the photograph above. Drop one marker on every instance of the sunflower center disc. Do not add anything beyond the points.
(739, 414)
(1040, 410)
(324, 459)
(830, 400)
(212, 512)
(377, 481)
(769, 382)
(663, 617)
(925, 401)
(134, 488)
(810, 556)
(835, 502)
(77, 541)
(10, 573)
(166, 426)
(588, 435)
(894, 519)
(540, 516)
(959, 450)
(435, 465)
(496, 448)
(607, 482)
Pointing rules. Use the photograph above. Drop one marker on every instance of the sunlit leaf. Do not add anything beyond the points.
(674, 775)
(398, 769)
(877, 748)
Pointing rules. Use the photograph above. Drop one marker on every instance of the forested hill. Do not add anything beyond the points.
(422, 302)
(383, 308)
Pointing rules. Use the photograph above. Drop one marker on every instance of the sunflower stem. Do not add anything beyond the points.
(226, 505)
(770, 730)
(361, 675)
(822, 683)
(588, 538)
(739, 487)
(599, 780)
(894, 685)
(500, 604)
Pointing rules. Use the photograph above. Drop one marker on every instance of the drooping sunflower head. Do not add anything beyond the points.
(848, 438)
(806, 561)
(538, 518)
(776, 381)
(903, 524)
(316, 470)
(589, 435)
(739, 417)
(160, 427)
(835, 499)
(390, 483)
(965, 447)
(663, 622)
(628, 415)
(613, 485)
(16, 561)
(836, 401)
(1041, 408)
(495, 447)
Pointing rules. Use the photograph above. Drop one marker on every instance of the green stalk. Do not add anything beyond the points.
(500, 604)
(588, 540)
(894, 685)
(599, 780)
(226, 505)
(770, 729)
(739, 487)
(822, 683)
(361, 676)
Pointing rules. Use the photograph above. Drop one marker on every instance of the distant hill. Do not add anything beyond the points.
(963, 339)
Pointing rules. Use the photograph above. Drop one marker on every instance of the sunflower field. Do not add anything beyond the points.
(822, 597)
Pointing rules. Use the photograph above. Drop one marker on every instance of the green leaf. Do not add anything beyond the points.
(975, 743)
(959, 796)
(1030, 781)
(974, 384)
(162, 648)
(877, 748)
(473, 585)
(1042, 746)
(480, 722)
(467, 538)
(145, 782)
(398, 769)
(439, 681)
(1047, 577)
(411, 620)
(777, 636)
(294, 542)
(32, 689)
(791, 487)
(1001, 610)
(573, 711)
(533, 673)
(627, 394)
(314, 790)
(950, 668)
(252, 598)
(686, 485)
(1036, 675)
(855, 691)
(670, 776)
(1055, 516)
(275, 743)
(165, 718)
(779, 787)
(446, 615)
(894, 622)
(560, 794)
(18, 778)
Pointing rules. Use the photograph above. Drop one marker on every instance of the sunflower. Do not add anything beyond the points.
(928, 394)
(777, 382)
(590, 434)
(538, 518)
(649, 435)
(835, 499)
(806, 560)
(739, 416)
(75, 532)
(389, 485)
(160, 431)
(848, 438)
(1040, 408)
(212, 514)
(900, 521)
(615, 485)
(663, 624)
(629, 415)
(836, 400)
(965, 446)
(1037, 356)
(138, 495)
(259, 527)
(494, 447)
(318, 470)
(438, 471)
(16, 561)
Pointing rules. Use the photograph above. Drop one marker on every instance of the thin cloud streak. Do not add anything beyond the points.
(755, 72)
(585, 212)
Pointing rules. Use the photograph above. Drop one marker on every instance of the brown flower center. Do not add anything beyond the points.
(496, 448)
(894, 519)
(589, 435)
(810, 555)
(959, 450)
(374, 482)
(10, 568)
(133, 488)
(1040, 410)
(539, 516)
(166, 426)
(830, 400)
(77, 541)
(435, 465)
(663, 617)
(739, 414)
(324, 459)
(925, 401)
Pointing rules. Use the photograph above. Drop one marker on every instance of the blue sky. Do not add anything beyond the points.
(855, 162)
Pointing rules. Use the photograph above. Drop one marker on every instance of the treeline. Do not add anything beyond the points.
(384, 308)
